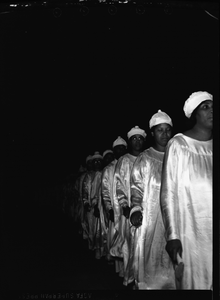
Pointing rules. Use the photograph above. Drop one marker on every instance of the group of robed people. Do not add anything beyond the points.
(149, 211)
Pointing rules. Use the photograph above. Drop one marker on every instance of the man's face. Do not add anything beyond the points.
(137, 142)
(109, 157)
(162, 134)
(119, 151)
(204, 114)
(89, 165)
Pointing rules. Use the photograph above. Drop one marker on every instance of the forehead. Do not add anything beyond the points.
(120, 147)
(136, 136)
(162, 125)
(209, 102)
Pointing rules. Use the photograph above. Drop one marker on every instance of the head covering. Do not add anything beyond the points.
(136, 130)
(160, 117)
(194, 100)
(97, 155)
(119, 141)
(89, 157)
(106, 152)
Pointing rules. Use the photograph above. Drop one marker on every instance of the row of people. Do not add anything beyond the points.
(147, 210)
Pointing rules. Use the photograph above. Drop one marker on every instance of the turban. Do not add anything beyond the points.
(97, 155)
(89, 157)
(106, 152)
(136, 130)
(160, 117)
(119, 141)
(194, 100)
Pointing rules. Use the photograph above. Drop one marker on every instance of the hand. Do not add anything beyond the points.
(126, 211)
(111, 215)
(173, 247)
(136, 218)
(96, 211)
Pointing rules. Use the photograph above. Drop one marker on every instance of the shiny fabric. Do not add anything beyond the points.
(123, 237)
(97, 236)
(81, 211)
(88, 216)
(107, 196)
(186, 201)
(153, 268)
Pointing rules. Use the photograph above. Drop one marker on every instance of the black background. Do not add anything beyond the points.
(72, 79)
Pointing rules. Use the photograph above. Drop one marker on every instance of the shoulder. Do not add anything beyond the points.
(178, 140)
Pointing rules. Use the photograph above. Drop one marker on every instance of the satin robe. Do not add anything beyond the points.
(88, 216)
(186, 201)
(122, 243)
(81, 207)
(97, 234)
(153, 268)
(107, 196)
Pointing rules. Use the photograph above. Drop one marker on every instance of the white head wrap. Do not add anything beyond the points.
(119, 141)
(160, 117)
(97, 155)
(89, 157)
(194, 100)
(106, 152)
(136, 130)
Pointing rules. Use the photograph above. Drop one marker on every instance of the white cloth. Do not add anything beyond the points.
(97, 155)
(160, 117)
(186, 202)
(107, 196)
(136, 130)
(153, 269)
(119, 141)
(194, 100)
(106, 152)
(123, 238)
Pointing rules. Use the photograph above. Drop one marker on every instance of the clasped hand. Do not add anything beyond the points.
(136, 218)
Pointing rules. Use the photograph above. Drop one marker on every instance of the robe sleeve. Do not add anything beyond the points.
(137, 185)
(169, 189)
(106, 190)
(85, 190)
(121, 178)
(96, 182)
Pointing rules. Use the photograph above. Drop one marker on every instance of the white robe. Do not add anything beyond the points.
(122, 243)
(186, 200)
(153, 268)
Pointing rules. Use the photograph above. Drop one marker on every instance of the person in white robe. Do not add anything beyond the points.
(153, 268)
(95, 229)
(123, 243)
(81, 212)
(186, 194)
(119, 149)
(87, 205)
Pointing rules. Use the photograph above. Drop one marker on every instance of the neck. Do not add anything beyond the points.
(134, 152)
(201, 134)
(159, 148)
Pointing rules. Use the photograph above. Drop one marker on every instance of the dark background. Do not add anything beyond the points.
(73, 78)
(71, 83)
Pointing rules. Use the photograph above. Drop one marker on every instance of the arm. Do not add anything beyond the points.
(169, 198)
(85, 191)
(137, 191)
(122, 180)
(106, 189)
